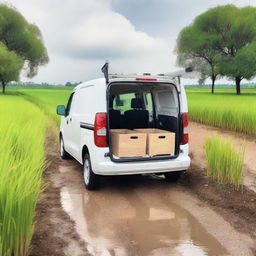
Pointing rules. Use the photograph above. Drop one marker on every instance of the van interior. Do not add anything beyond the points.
(133, 105)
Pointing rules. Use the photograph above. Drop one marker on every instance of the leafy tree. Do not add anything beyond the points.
(21, 42)
(68, 84)
(225, 37)
(10, 66)
(232, 32)
(195, 48)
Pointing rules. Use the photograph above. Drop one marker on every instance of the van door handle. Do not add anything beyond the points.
(70, 119)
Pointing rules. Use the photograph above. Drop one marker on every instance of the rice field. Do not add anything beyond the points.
(22, 158)
(47, 99)
(224, 162)
(224, 109)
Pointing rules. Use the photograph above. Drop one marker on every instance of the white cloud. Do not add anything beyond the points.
(80, 34)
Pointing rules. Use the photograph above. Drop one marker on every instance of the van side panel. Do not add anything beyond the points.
(90, 100)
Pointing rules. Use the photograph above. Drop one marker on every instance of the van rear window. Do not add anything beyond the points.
(122, 102)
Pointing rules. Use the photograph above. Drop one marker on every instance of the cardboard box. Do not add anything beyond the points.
(128, 143)
(159, 142)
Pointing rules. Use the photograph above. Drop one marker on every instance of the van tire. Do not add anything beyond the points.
(91, 180)
(172, 176)
(63, 153)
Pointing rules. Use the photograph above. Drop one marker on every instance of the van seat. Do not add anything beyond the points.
(114, 119)
(136, 118)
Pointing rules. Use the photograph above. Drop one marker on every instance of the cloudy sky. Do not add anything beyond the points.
(135, 35)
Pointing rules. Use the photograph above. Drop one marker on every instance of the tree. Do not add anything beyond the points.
(68, 84)
(195, 48)
(22, 43)
(223, 36)
(240, 66)
(10, 66)
(232, 32)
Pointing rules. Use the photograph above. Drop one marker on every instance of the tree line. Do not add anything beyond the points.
(220, 43)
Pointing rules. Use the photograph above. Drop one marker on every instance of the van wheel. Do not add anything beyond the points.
(91, 180)
(63, 153)
(172, 176)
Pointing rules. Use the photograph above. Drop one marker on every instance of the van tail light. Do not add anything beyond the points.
(100, 130)
(185, 137)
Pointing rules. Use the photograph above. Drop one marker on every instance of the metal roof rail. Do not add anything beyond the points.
(178, 74)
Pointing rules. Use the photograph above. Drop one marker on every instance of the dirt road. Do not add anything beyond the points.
(131, 215)
(146, 216)
(199, 132)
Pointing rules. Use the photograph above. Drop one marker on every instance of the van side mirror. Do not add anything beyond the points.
(61, 110)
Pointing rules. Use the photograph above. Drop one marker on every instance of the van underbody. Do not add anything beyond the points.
(133, 105)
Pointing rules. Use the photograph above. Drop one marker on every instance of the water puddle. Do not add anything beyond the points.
(124, 220)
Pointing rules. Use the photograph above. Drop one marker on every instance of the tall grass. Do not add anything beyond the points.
(22, 130)
(224, 162)
(224, 110)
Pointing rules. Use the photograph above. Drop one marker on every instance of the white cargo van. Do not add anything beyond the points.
(124, 102)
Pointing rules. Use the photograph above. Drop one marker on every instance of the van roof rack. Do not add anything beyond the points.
(145, 76)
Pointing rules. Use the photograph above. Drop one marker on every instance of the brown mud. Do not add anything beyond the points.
(55, 233)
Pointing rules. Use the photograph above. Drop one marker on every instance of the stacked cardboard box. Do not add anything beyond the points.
(142, 142)
(159, 142)
(128, 143)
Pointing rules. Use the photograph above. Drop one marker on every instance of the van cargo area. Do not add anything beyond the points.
(143, 121)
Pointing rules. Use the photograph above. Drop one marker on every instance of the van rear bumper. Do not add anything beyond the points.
(141, 167)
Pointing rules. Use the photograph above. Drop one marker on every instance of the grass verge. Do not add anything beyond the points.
(224, 162)
(22, 133)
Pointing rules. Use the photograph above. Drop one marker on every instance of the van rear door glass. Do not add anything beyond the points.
(122, 102)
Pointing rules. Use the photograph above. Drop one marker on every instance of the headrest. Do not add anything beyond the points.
(136, 103)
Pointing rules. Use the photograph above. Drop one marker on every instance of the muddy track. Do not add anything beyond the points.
(140, 215)
(55, 233)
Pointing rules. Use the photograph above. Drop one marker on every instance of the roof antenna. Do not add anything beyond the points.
(104, 70)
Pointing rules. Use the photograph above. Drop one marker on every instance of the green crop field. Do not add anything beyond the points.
(224, 109)
(47, 99)
(23, 119)
(22, 130)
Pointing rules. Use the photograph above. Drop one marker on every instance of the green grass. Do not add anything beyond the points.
(224, 162)
(22, 131)
(224, 109)
(47, 99)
